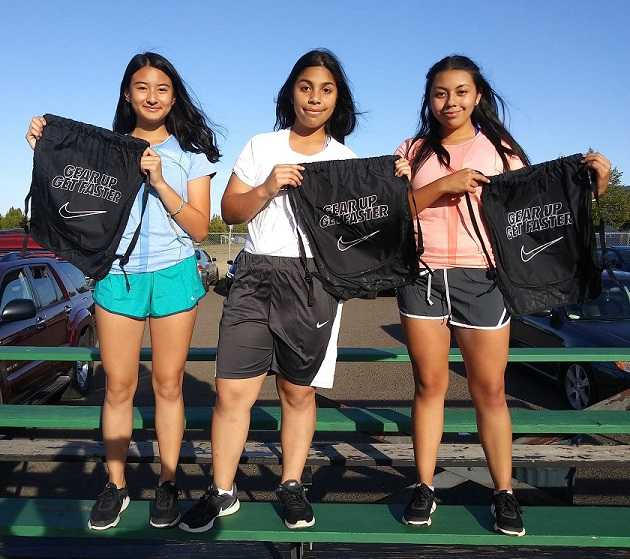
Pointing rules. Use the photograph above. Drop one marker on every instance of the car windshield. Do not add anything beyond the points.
(612, 304)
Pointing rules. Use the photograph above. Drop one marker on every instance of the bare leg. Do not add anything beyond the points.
(485, 355)
(298, 426)
(230, 425)
(119, 338)
(428, 343)
(170, 339)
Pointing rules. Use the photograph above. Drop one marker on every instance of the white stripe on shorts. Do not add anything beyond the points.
(325, 376)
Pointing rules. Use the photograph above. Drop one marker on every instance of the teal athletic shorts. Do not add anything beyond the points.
(168, 291)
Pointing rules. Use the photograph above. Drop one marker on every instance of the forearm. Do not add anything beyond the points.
(423, 197)
(191, 219)
(241, 207)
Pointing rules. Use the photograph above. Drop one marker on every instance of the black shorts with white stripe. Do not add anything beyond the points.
(268, 326)
(463, 297)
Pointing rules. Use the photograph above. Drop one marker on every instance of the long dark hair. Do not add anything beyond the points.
(344, 117)
(186, 121)
(485, 117)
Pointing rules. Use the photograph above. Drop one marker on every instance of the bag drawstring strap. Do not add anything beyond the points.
(492, 271)
(124, 258)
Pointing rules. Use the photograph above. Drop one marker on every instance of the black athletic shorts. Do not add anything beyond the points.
(463, 297)
(267, 325)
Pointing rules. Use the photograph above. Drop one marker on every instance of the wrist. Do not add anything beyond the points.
(159, 184)
(263, 193)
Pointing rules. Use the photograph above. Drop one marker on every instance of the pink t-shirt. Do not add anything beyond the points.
(448, 234)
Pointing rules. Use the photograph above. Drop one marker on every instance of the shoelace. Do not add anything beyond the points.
(107, 497)
(294, 498)
(165, 496)
(422, 497)
(507, 504)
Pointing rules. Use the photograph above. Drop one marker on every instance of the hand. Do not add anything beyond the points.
(402, 167)
(151, 164)
(466, 180)
(35, 130)
(282, 176)
(601, 167)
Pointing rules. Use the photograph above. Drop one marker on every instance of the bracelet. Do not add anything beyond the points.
(179, 209)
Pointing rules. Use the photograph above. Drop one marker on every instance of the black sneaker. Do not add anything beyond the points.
(422, 505)
(507, 514)
(200, 517)
(164, 513)
(298, 512)
(108, 507)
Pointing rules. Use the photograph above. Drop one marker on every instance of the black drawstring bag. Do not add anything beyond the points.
(540, 224)
(355, 214)
(85, 181)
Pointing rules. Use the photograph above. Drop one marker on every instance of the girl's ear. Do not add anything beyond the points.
(127, 97)
(478, 99)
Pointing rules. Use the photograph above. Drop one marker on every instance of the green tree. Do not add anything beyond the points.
(217, 225)
(12, 219)
(615, 205)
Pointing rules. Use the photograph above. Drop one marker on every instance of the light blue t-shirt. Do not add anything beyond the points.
(162, 243)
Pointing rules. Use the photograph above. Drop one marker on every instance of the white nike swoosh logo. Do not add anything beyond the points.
(345, 245)
(69, 214)
(319, 325)
(527, 255)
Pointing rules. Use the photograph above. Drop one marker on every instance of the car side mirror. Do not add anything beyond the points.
(213, 259)
(230, 262)
(18, 309)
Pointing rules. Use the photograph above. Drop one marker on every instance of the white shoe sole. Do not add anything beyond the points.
(113, 524)
(509, 532)
(166, 525)
(230, 510)
(503, 530)
(300, 524)
(421, 522)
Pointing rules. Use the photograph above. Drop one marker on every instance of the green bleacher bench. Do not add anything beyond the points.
(338, 523)
(341, 420)
(345, 354)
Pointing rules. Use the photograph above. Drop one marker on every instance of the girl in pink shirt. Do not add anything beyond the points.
(461, 141)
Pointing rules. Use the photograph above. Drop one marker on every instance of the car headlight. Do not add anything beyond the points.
(623, 365)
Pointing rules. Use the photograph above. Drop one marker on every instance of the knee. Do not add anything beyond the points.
(297, 397)
(169, 390)
(430, 386)
(231, 399)
(117, 393)
(489, 395)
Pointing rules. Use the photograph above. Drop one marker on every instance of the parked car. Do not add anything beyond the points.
(207, 267)
(44, 301)
(603, 322)
(617, 256)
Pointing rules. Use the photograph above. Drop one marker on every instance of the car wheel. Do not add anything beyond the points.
(82, 371)
(578, 386)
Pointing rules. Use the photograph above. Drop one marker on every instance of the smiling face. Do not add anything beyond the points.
(314, 97)
(453, 99)
(151, 96)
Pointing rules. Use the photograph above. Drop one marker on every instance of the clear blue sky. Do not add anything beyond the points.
(563, 66)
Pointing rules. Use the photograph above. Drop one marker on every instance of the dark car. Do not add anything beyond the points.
(617, 256)
(207, 267)
(44, 302)
(603, 322)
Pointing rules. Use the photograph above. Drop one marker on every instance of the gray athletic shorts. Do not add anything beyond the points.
(267, 325)
(463, 297)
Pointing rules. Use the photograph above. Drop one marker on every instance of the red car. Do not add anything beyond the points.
(44, 301)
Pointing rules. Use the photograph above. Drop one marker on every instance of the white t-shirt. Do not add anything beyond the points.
(273, 230)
